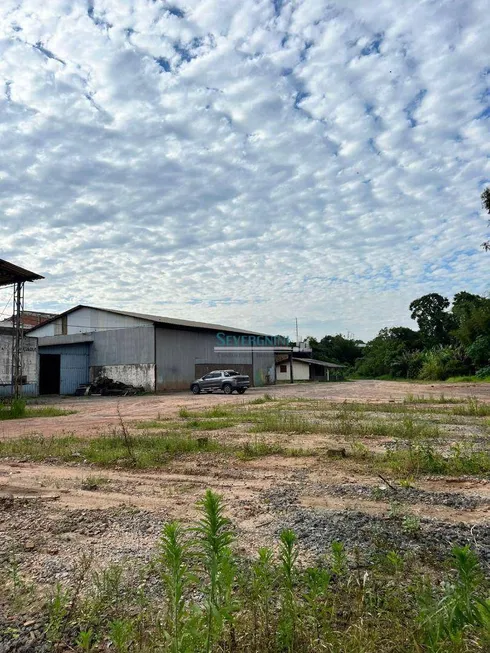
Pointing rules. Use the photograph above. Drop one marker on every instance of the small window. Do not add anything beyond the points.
(284, 368)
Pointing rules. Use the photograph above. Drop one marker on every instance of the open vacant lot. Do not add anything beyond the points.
(385, 468)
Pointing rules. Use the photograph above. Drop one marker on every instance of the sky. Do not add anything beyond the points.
(246, 162)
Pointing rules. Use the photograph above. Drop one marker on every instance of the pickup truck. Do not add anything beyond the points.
(226, 380)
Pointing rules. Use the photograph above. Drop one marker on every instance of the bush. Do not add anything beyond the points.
(483, 372)
(439, 364)
(14, 409)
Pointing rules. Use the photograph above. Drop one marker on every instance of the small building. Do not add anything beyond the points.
(307, 369)
(18, 356)
(29, 364)
(158, 353)
(28, 319)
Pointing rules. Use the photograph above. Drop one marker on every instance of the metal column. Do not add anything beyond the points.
(18, 339)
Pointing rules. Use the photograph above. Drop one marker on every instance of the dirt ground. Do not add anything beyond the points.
(49, 515)
(100, 414)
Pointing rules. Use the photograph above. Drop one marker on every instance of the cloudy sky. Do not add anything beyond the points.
(246, 161)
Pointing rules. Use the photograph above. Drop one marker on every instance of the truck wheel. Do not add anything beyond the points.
(195, 389)
(241, 391)
(227, 389)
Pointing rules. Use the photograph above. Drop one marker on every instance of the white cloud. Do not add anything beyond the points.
(246, 162)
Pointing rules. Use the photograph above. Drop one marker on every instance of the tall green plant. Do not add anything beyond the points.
(214, 539)
(461, 608)
(288, 556)
(177, 578)
(262, 592)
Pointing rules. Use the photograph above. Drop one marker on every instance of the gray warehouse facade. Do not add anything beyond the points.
(159, 353)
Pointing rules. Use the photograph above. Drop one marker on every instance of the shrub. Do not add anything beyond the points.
(483, 373)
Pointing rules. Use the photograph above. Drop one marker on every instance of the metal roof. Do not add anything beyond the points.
(10, 273)
(157, 319)
(311, 361)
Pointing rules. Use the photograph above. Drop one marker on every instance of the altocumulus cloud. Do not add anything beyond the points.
(246, 162)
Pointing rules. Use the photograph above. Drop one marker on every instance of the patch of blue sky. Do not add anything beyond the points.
(413, 105)
(373, 47)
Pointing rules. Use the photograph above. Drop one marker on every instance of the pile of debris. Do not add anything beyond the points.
(108, 388)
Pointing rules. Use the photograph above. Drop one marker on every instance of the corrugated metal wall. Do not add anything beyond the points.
(74, 365)
(28, 390)
(180, 350)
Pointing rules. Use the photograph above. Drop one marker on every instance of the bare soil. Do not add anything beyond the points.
(48, 516)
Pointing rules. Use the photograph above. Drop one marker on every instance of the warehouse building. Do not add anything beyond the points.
(158, 353)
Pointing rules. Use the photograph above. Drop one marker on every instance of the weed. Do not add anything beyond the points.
(442, 399)
(259, 448)
(184, 412)
(58, 609)
(214, 601)
(266, 398)
(378, 493)
(93, 483)
(461, 609)
(406, 482)
(274, 422)
(422, 458)
(177, 578)
(288, 556)
(126, 438)
(121, 635)
(396, 510)
(473, 408)
(214, 539)
(262, 592)
(411, 524)
(18, 409)
(85, 640)
(209, 424)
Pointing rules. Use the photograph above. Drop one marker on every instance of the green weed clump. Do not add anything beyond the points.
(18, 409)
(266, 398)
(142, 451)
(442, 399)
(473, 408)
(209, 424)
(284, 422)
(422, 458)
(198, 596)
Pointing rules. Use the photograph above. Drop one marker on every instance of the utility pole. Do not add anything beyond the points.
(297, 333)
(17, 339)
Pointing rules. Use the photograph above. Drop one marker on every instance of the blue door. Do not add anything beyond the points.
(74, 365)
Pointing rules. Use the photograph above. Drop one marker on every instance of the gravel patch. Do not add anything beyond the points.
(402, 494)
(371, 535)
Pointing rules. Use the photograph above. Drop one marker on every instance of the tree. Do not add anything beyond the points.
(338, 349)
(473, 317)
(485, 198)
(435, 323)
(479, 351)
(390, 352)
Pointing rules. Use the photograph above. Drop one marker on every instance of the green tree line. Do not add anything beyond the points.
(451, 341)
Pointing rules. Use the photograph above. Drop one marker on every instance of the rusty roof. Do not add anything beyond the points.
(10, 273)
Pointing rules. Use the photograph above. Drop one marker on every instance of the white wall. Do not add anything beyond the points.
(86, 320)
(139, 374)
(29, 360)
(301, 371)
